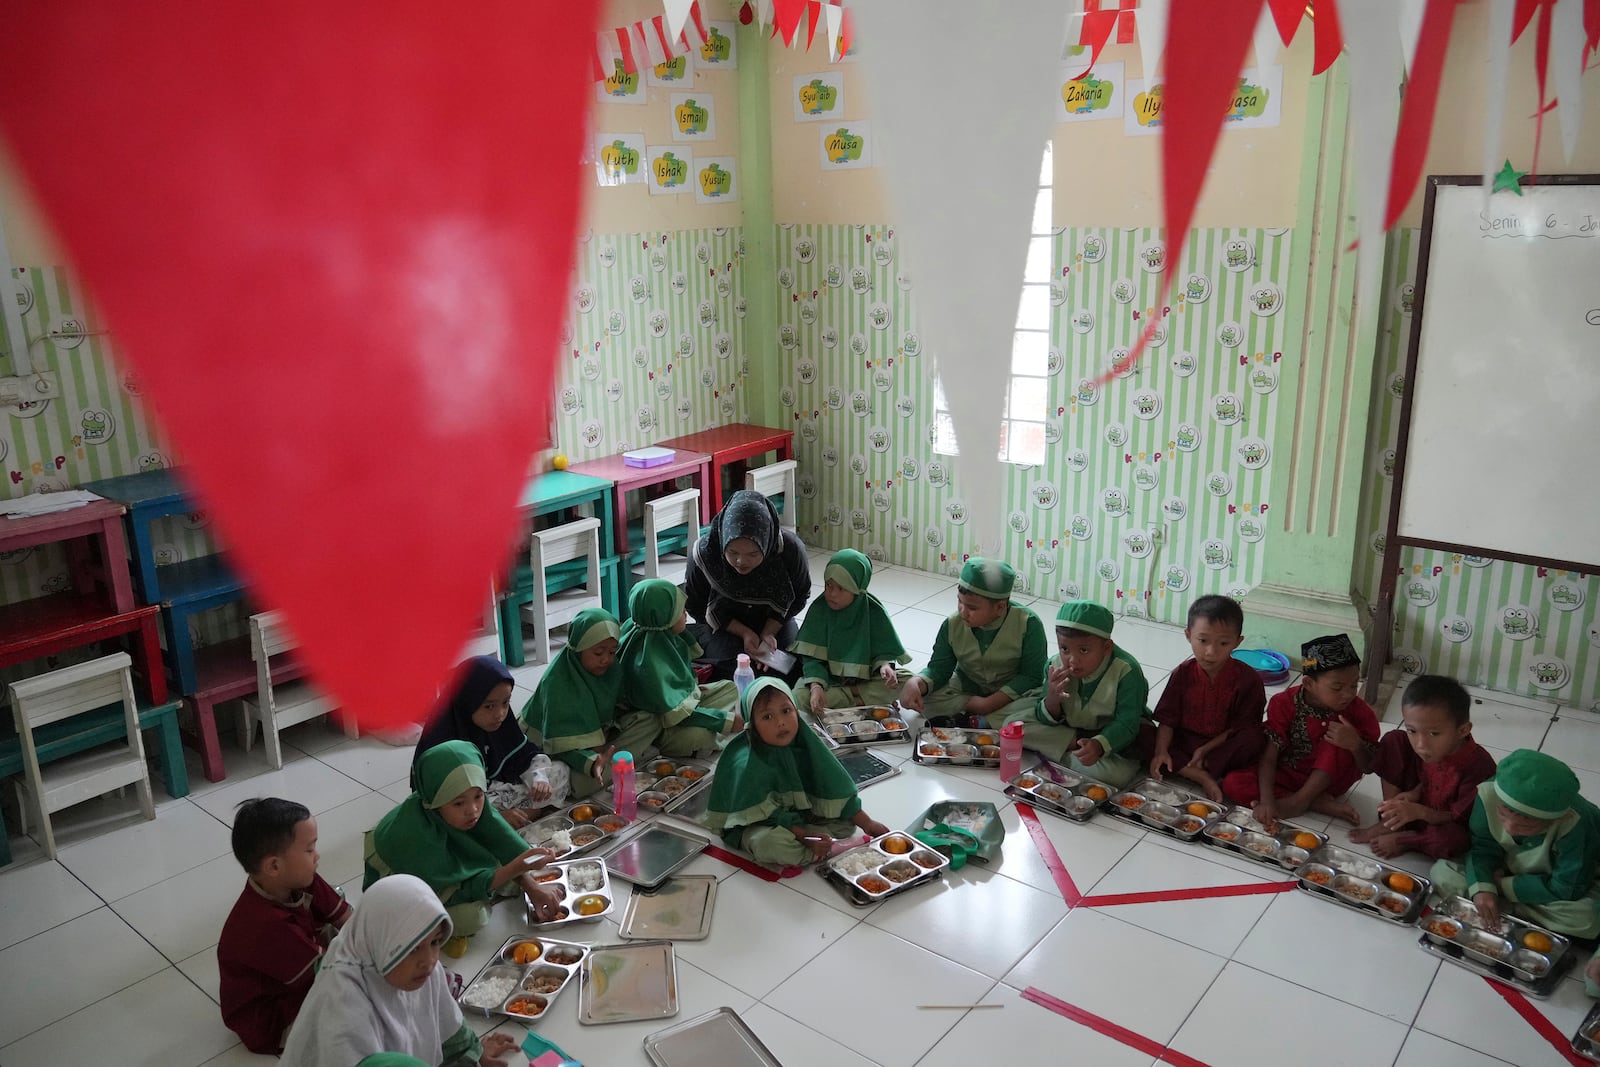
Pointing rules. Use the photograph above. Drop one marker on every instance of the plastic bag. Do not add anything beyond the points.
(544, 770)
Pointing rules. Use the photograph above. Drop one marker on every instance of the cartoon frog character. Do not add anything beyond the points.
(1548, 674)
(1218, 484)
(1122, 292)
(906, 406)
(786, 335)
(910, 344)
(1044, 495)
(806, 484)
(1078, 460)
(1017, 521)
(1227, 409)
(956, 512)
(1144, 477)
(1457, 628)
(607, 255)
(936, 474)
(1177, 579)
(570, 401)
(1215, 553)
(1229, 335)
(1154, 257)
(1114, 502)
(902, 527)
(706, 312)
(879, 316)
(1564, 596)
(1408, 298)
(860, 280)
(1044, 561)
(1517, 623)
(657, 323)
(591, 434)
(155, 461)
(723, 344)
(96, 426)
(1083, 320)
(858, 465)
(910, 469)
(585, 299)
(1237, 254)
(860, 405)
(1250, 529)
(1174, 508)
(1196, 288)
(858, 344)
(1093, 249)
(1138, 544)
(1146, 405)
(646, 420)
(934, 537)
(858, 521)
(833, 276)
(1187, 439)
(834, 515)
(881, 501)
(1264, 298)
(1183, 363)
(1088, 392)
(1116, 435)
(1252, 453)
(830, 456)
(878, 439)
(1108, 570)
(615, 322)
(835, 398)
(1080, 528)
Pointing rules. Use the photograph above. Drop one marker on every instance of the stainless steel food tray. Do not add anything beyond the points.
(680, 910)
(628, 983)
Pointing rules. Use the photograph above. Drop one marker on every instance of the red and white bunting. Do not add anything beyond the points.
(1151, 24)
(677, 15)
(659, 47)
(1496, 76)
(835, 18)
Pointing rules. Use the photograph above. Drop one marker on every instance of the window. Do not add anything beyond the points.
(1028, 397)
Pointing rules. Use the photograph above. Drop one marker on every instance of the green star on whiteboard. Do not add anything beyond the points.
(1508, 179)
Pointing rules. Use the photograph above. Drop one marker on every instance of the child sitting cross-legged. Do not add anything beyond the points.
(656, 655)
(1431, 769)
(987, 658)
(280, 924)
(849, 652)
(779, 792)
(1318, 737)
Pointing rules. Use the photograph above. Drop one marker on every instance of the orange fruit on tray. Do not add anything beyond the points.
(1199, 809)
(1308, 840)
(897, 846)
(527, 951)
(1096, 792)
(582, 813)
(1401, 883)
(1536, 941)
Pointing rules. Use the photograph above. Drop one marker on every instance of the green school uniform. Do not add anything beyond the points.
(761, 792)
(1005, 657)
(1109, 707)
(658, 673)
(573, 714)
(459, 865)
(843, 650)
(1548, 880)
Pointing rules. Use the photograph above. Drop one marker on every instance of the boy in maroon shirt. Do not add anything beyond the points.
(1431, 769)
(1210, 701)
(278, 928)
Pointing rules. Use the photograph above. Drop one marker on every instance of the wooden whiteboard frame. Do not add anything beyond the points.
(1383, 611)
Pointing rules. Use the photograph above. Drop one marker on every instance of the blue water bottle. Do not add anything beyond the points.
(744, 674)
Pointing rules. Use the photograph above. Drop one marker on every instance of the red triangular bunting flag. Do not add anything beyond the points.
(1096, 30)
(813, 16)
(1591, 25)
(698, 21)
(1327, 41)
(628, 48)
(786, 17)
(1287, 15)
(1525, 12)
(1416, 111)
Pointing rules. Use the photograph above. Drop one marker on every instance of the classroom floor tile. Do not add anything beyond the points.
(818, 979)
(1251, 1019)
(836, 994)
(163, 1019)
(917, 628)
(39, 897)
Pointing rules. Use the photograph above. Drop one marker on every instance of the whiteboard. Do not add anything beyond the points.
(1505, 396)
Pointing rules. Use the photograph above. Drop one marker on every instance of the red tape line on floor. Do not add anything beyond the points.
(734, 860)
(1148, 1046)
(1536, 1019)
(1107, 900)
(1047, 852)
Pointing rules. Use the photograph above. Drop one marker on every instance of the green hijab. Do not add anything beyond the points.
(852, 640)
(657, 664)
(391, 1059)
(571, 707)
(413, 839)
(754, 779)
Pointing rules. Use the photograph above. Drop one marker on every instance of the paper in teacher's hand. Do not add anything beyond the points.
(776, 660)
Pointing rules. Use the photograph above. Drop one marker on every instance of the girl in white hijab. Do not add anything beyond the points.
(381, 989)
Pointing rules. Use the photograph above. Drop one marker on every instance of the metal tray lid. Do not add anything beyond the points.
(628, 983)
(679, 911)
(652, 855)
(718, 1037)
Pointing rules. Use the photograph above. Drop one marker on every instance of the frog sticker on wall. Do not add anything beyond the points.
(1118, 364)
(1054, 361)
(835, 399)
(741, 307)
(956, 512)
(858, 522)
(785, 395)
(858, 344)
(1230, 335)
(1219, 484)
(785, 278)
(1123, 291)
(938, 477)
(1250, 529)
(1079, 528)
(1152, 257)
(657, 324)
(583, 298)
(1456, 629)
(1176, 579)
(1087, 394)
(808, 312)
(645, 419)
(1116, 434)
(860, 280)
(1017, 521)
(1144, 477)
(1265, 300)
(1238, 255)
(591, 434)
(1253, 453)
(1420, 590)
(1226, 409)
(906, 407)
(1174, 508)
(1263, 379)
(1138, 543)
(1406, 297)
(829, 336)
(880, 316)
(787, 337)
(805, 249)
(1114, 502)
(1093, 250)
(97, 427)
(722, 344)
(910, 469)
(1548, 673)
(1077, 461)
(1083, 320)
(934, 537)
(1044, 495)
(1196, 289)
(882, 380)
(902, 528)
(1108, 570)
(808, 434)
(1565, 594)
(910, 344)
(878, 439)
(1044, 561)
(1518, 622)
(834, 515)
(1186, 438)
(1146, 404)
(1215, 554)
(833, 275)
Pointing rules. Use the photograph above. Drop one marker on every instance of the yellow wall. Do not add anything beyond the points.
(1103, 176)
(1457, 143)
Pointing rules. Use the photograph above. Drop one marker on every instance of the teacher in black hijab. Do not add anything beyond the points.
(747, 582)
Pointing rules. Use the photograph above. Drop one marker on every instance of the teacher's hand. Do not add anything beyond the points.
(752, 642)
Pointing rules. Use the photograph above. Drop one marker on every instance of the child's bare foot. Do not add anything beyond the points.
(1207, 784)
(1339, 809)
(1367, 833)
(1393, 844)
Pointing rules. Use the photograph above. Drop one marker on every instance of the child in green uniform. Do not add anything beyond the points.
(779, 793)
(447, 835)
(573, 714)
(847, 646)
(994, 647)
(1092, 712)
(1535, 850)
(658, 678)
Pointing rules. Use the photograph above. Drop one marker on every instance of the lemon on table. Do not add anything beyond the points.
(1536, 941)
(560, 461)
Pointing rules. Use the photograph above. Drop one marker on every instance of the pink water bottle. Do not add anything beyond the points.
(622, 786)
(1010, 751)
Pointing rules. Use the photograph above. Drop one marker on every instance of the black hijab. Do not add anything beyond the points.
(747, 514)
(506, 752)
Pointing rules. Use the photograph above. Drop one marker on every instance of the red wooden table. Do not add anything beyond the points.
(695, 465)
(46, 625)
(98, 520)
(732, 446)
(224, 671)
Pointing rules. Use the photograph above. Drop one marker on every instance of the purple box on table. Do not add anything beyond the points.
(648, 457)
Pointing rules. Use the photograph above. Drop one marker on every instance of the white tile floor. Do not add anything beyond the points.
(109, 952)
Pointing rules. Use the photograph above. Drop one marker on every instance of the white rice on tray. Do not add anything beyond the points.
(490, 992)
(859, 862)
(585, 878)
